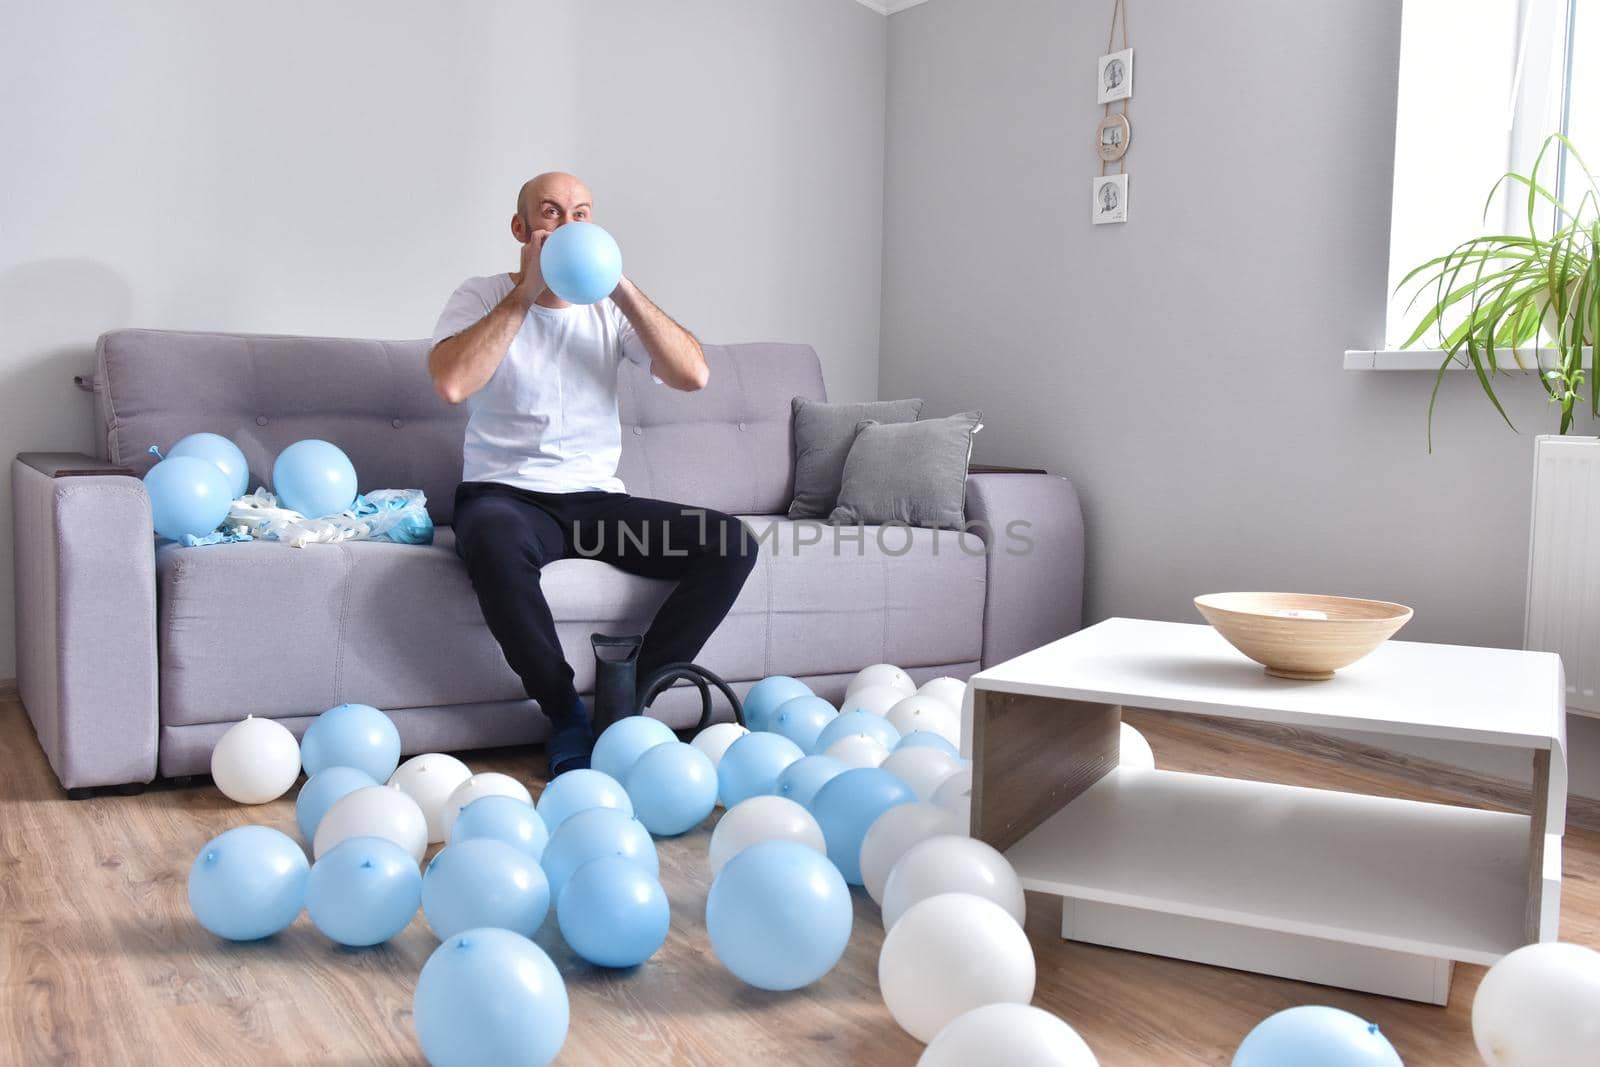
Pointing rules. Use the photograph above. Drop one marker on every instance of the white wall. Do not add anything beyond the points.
(1184, 368)
(337, 168)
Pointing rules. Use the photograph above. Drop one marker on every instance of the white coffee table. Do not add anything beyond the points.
(1362, 892)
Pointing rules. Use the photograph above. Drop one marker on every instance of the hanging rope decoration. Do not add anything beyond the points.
(1113, 134)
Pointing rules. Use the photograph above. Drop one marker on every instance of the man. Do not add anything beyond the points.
(539, 480)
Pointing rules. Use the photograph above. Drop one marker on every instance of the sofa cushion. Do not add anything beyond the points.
(263, 629)
(913, 473)
(823, 434)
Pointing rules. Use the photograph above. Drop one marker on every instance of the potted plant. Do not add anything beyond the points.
(1511, 288)
(1510, 292)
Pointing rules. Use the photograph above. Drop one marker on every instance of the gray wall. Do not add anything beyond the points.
(307, 167)
(1185, 368)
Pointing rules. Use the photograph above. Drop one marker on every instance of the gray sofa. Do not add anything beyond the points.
(133, 658)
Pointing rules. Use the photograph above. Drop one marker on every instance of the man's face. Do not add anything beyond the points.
(550, 202)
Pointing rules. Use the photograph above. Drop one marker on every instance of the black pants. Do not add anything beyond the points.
(506, 535)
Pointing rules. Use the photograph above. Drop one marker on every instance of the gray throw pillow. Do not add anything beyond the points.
(823, 434)
(913, 473)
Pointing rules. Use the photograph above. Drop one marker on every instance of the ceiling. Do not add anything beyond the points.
(889, 7)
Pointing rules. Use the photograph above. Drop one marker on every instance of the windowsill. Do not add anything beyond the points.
(1428, 359)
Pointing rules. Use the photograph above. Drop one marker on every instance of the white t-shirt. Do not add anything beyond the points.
(547, 420)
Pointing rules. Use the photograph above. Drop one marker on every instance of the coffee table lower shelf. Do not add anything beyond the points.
(1362, 892)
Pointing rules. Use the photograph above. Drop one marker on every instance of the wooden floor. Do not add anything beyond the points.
(101, 962)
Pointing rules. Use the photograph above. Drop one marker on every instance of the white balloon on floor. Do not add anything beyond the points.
(948, 955)
(1539, 1007)
(429, 779)
(955, 793)
(921, 712)
(951, 864)
(763, 818)
(923, 769)
(882, 674)
(483, 784)
(715, 739)
(877, 699)
(858, 750)
(255, 761)
(895, 831)
(1008, 1034)
(1135, 749)
(373, 811)
(950, 690)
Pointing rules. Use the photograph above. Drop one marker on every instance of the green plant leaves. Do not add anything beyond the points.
(1510, 286)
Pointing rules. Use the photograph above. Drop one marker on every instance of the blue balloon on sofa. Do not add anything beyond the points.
(187, 496)
(314, 478)
(218, 450)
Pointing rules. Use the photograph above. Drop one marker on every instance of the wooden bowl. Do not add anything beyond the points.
(1301, 635)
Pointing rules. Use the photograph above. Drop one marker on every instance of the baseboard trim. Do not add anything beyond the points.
(1467, 785)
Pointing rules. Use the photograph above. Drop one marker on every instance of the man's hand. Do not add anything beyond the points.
(531, 286)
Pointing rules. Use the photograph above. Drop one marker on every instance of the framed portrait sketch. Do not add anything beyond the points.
(1110, 199)
(1116, 76)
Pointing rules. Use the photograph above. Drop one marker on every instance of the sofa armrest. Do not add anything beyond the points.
(86, 617)
(1034, 530)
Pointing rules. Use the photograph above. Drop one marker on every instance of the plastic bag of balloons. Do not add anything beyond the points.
(399, 515)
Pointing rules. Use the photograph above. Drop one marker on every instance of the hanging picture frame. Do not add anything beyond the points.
(1111, 136)
(1110, 199)
(1115, 76)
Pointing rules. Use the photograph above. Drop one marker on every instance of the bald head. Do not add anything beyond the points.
(551, 200)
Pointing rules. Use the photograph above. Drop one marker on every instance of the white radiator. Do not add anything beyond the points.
(1563, 608)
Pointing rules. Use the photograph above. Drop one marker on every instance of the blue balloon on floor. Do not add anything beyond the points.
(248, 883)
(803, 719)
(751, 766)
(187, 496)
(484, 882)
(673, 788)
(766, 696)
(223, 453)
(1315, 1036)
(858, 722)
(581, 263)
(619, 747)
(779, 915)
(802, 778)
(590, 835)
(363, 891)
(613, 913)
(490, 996)
(320, 792)
(848, 805)
(929, 739)
(505, 819)
(314, 478)
(578, 791)
(352, 735)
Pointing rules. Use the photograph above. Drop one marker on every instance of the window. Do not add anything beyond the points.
(1581, 113)
(1482, 84)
